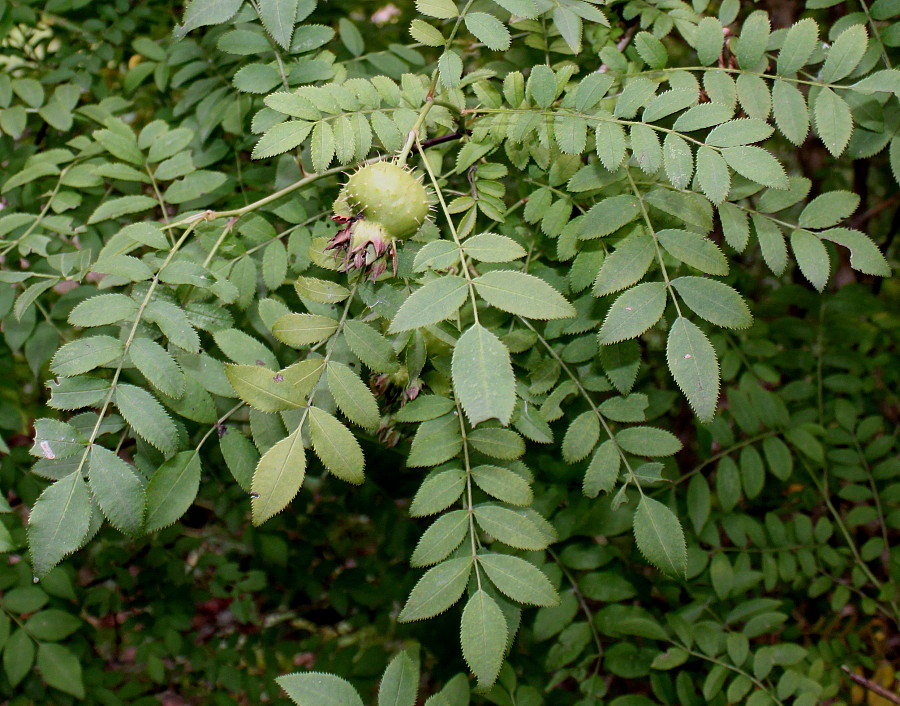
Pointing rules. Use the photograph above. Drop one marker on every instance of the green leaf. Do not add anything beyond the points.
(714, 301)
(712, 174)
(436, 441)
(74, 393)
(438, 300)
(581, 437)
(317, 689)
(320, 290)
(193, 186)
(157, 366)
(603, 470)
(626, 265)
(282, 138)
(834, 123)
(633, 312)
(450, 66)
(147, 417)
(522, 294)
(437, 590)
(426, 34)
(117, 489)
(694, 250)
(103, 309)
(828, 209)
(373, 349)
(267, 390)
(541, 85)
(509, 527)
(669, 102)
(742, 131)
(610, 144)
(483, 377)
(609, 215)
(845, 54)
(121, 206)
(52, 624)
(322, 146)
(790, 111)
(200, 13)
(85, 354)
(648, 441)
(645, 148)
(864, 254)
(519, 579)
(754, 96)
(591, 90)
(798, 46)
(489, 30)
(56, 440)
(60, 668)
(400, 683)
(240, 456)
(757, 165)
(445, 535)
(708, 40)
(771, 242)
(693, 363)
(490, 247)
(278, 18)
(243, 348)
(256, 78)
(651, 50)
(172, 489)
(660, 537)
(298, 330)
(812, 257)
(678, 161)
(483, 636)
(502, 484)
(277, 478)
(336, 446)
(58, 523)
(569, 25)
(441, 9)
(754, 38)
(498, 443)
(438, 492)
(352, 395)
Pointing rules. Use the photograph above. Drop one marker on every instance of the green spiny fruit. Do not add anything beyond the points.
(388, 194)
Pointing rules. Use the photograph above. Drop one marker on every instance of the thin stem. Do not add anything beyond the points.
(464, 266)
(469, 502)
(40, 217)
(659, 256)
(589, 400)
(131, 334)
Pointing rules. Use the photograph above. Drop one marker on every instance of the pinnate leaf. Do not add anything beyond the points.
(336, 446)
(318, 689)
(659, 536)
(117, 490)
(437, 590)
(693, 363)
(59, 522)
(277, 478)
(483, 635)
(172, 490)
(522, 294)
(633, 312)
(519, 579)
(483, 377)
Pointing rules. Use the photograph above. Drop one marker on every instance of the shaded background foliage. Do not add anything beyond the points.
(788, 499)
